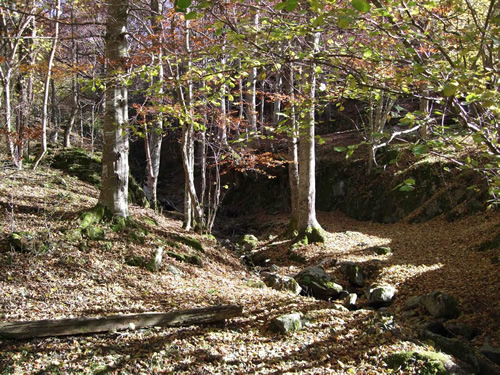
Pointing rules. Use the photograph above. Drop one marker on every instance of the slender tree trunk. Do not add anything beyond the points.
(54, 115)
(7, 102)
(293, 152)
(74, 87)
(45, 110)
(308, 226)
(193, 213)
(223, 107)
(277, 102)
(379, 110)
(115, 167)
(155, 136)
(252, 93)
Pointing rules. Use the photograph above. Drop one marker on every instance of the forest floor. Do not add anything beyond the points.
(83, 278)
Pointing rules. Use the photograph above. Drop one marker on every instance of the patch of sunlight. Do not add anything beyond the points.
(400, 273)
(349, 240)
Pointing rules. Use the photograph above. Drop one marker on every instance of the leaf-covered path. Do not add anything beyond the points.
(65, 276)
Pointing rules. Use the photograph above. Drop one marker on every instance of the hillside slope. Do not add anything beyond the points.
(61, 273)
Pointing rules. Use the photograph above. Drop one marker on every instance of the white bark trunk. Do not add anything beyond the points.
(252, 93)
(293, 151)
(193, 213)
(46, 89)
(155, 136)
(115, 168)
(308, 225)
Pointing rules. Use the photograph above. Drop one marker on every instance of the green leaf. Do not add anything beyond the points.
(340, 148)
(406, 188)
(343, 22)
(409, 181)
(419, 150)
(367, 54)
(191, 16)
(183, 4)
(291, 5)
(361, 5)
(280, 6)
(450, 89)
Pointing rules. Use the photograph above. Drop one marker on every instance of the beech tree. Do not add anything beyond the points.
(46, 88)
(308, 226)
(115, 167)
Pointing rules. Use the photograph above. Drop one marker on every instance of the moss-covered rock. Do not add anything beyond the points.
(380, 295)
(149, 220)
(191, 259)
(382, 250)
(248, 242)
(95, 233)
(137, 236)
(354, 272)
(454, 347)
(79, 163)
(440, 305)
(22, 242)
(424, 363)
(73, 235)
(315, 281)
(343, 185)
(259, 284)
(286, 323)
(93, 216)
(190, 241)
(136, 261)
(87, 167)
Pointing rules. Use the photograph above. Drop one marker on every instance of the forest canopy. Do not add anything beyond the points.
(228, 77)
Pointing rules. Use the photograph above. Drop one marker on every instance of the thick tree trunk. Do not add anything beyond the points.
(65, 327)
(115, 168)
(308, 226)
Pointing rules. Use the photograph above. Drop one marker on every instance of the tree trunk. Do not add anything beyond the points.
(308, 226)
(65, 327)
(193, 213)
(293, 151)
(223, 107)
(115, 168)
(54, 115)
(155, 136)
(74, 88)
(252, 94)
(45, 105)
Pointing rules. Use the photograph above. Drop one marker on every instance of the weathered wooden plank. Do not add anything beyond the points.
(65, 327)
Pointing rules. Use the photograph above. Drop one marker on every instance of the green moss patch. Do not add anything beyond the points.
(191, 259)
(93, 216)
(190, 241)
(22, 242)
(424, 363)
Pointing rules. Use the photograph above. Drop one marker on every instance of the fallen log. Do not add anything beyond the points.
(76, 326)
